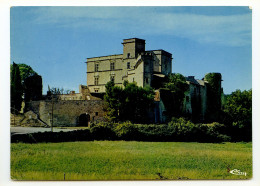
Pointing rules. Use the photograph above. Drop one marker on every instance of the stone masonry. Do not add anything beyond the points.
(69, 113)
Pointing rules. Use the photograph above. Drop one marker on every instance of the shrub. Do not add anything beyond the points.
(103, 131)
(78, 135)
(178, 129)
(125, 131)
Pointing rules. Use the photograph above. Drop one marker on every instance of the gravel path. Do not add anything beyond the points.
(26, 130)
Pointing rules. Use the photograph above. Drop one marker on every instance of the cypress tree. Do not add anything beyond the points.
(16, 89)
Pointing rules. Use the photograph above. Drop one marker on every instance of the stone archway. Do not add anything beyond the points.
(84, 119)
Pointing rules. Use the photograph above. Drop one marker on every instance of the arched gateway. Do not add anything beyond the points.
(84, 120)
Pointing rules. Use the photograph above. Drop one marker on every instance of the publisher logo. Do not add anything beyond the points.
(237, 172)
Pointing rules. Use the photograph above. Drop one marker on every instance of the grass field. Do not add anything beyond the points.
(122, 160)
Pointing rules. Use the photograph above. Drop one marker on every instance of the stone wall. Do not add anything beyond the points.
(84, 94)
(67, 113)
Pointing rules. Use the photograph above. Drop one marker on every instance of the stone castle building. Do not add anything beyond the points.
(146, 68)
(134, 65)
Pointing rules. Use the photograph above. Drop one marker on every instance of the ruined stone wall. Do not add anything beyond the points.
(67, 113)
(77, 96)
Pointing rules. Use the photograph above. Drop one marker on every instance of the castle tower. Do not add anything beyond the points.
(134, 65)
(132, 47)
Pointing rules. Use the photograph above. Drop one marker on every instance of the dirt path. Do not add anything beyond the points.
(26, 130)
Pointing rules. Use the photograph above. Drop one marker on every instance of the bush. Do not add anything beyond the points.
(78, 135)
(125, 131)
(178, 129)
(103, 131)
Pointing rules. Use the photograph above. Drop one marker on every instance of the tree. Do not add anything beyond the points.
(173, 94)
(26, 71)
(31, 82)
(213, 96)
(57, 91)
(130, 103)
(16, 88)
(113, 98)
(33, 87)
(238, 110)
(136, 103)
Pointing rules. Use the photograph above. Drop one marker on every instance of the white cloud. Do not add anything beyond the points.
(233, 30)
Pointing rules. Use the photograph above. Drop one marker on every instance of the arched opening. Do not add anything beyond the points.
(84, 119)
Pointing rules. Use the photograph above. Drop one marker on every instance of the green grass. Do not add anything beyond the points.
(121, 160)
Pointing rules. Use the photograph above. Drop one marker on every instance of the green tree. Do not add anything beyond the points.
(33, 87)
(214, 92)
(173, 94)
(238, 109)
(136, 103)
(31, 82)
(26, 71)
(113, 98)
(16, 88)
(131, 103)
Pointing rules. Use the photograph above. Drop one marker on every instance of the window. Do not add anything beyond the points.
(128, 65)
(112, 66)
(146, 80)
(96, 80)
(128, 55)
(96, 89)
(112, 78)
(96, 113)
(96, 67)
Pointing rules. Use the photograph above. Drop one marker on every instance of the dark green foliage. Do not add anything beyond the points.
(173, 94)
(126, 131)
(113, 98)
(79, 135)
(176, 130)
(176, 82)
(31, 82)
(213, 96)
(238, 114)
(181, 130)
(33, 88)
(16, 89)
(131, 103)
(136, 102)
(26, 71)
(57, 91)
(103, 131)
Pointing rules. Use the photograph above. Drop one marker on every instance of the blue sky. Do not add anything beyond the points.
(55, 41)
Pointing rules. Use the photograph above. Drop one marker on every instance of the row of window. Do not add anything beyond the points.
(112, 66)
(96, 80)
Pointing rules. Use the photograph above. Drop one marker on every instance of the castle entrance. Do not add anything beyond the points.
(84, 119)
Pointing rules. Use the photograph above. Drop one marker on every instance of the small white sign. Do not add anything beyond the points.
(237, 172)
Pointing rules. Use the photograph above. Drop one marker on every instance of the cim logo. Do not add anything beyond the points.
(237, 172)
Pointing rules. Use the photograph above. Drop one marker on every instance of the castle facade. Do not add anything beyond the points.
(202, 101)
(134, 65)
